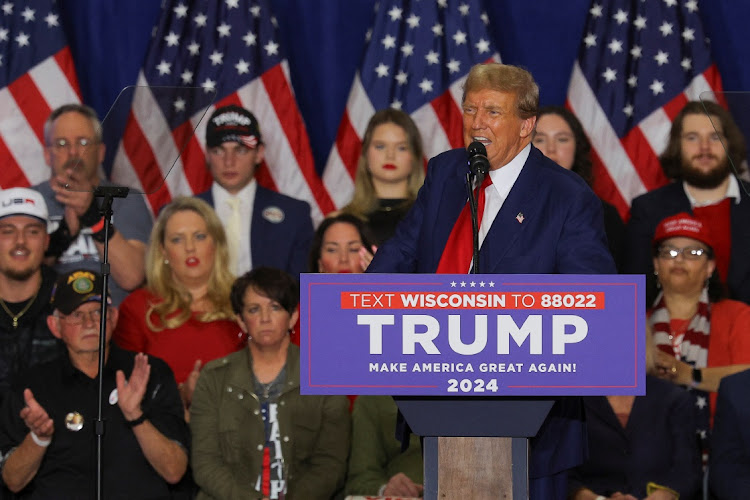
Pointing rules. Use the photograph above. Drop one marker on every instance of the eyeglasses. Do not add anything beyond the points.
(692, 137)
(64, 145)
(77, 318)
(690, 253)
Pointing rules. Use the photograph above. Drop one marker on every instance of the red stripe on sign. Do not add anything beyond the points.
(283, 102)
(31, 102)
(12, 175)
(349, 145)
(451, 118)
(644, 159)
(144, 163)
(193, 158)
(64, 60)
(605, 187)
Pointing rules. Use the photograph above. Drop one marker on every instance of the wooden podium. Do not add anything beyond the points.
(475, 447)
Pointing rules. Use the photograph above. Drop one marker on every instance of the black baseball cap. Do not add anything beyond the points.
(232, 124)
(76, 288)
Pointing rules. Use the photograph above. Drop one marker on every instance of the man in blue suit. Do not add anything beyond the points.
(729, 470)
(538, 218)
(264, 228)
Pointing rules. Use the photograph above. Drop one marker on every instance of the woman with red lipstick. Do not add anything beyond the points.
(390, 171)
(700, 337)
(341, 245)
(183, 315)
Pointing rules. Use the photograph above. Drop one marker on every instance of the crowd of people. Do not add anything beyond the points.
(201, 376)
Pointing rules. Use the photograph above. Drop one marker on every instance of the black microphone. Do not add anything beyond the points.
(479, 165)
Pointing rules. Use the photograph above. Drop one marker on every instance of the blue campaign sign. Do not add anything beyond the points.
(490, 335)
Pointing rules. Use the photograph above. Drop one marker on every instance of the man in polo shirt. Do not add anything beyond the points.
(264, 228)
(47, 440)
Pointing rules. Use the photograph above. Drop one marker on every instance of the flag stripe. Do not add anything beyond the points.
(31, 103)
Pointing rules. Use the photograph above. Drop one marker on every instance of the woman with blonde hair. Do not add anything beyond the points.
(184, 314)
(390, 172)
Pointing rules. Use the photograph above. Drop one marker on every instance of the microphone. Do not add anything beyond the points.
(479, 165)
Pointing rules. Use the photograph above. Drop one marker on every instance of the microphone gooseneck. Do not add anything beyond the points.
(478, 162)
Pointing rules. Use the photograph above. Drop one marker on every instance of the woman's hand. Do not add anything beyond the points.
(366, 256)
(672, 369)
(188, 386)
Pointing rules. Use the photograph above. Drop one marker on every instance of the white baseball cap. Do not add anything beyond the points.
(24, 201)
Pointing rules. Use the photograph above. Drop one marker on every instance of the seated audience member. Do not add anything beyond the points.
(341, 245)
(729, 472)
(699, 336)
(377, 466)
(25, 285)
(183, 315)
(640, 447)
(254, 435)
(560, 137)
(47, 438)
(389, 172)
(704, 186)
(74, 151)
(264, 228)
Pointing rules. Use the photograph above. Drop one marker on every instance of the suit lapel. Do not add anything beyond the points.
(259, 226)
(453, 199)
(517, 213)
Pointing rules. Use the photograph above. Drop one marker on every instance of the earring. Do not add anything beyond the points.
(166, 261)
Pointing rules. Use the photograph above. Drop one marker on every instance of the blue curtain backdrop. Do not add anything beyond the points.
(324, 40)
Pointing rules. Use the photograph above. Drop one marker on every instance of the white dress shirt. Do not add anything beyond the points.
(247, 197)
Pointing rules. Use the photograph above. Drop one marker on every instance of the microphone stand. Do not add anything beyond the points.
(107, 193)
(474, 218)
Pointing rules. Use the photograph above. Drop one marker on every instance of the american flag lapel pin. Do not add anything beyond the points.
(520, 217)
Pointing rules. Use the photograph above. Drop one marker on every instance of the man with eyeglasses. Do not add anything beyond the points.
(703, 145)
(25, 285)
(47, 440)
(74, 151)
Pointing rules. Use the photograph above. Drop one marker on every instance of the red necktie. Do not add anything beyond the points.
(459, 250)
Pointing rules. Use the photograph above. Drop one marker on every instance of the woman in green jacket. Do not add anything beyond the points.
(254, 435)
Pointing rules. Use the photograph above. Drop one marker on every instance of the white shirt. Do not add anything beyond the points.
(247, 197)
(503, 180)
(733, 191)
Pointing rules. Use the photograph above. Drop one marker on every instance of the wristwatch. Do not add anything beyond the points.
(697, 376)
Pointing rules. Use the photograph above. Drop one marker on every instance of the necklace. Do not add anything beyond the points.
(23, 311)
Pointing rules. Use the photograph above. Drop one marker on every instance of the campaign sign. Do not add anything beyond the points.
(473, 335)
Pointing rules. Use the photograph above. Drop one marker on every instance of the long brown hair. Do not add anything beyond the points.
(365, 199)
(173, 310)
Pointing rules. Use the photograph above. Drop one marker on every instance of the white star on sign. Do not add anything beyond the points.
(492, 284)
(463, 284)
(242, 67)
(453, 284)
(481, 284)
(473, 284)
(164, 68)
(172, 39)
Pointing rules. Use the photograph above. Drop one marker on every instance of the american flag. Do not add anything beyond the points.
(638, 65)
(417, 56)
(230, 48)
(36, 76)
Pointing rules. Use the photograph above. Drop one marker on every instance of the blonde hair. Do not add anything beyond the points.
(174, 308)
(506, 78)
(365, 198)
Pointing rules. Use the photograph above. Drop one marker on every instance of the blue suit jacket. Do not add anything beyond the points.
(658, 444)
(729, 470)
(562, 232)
(562, 229)
(284, 244)
(651, 208)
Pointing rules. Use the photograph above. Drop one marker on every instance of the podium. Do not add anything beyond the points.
(476, 364)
